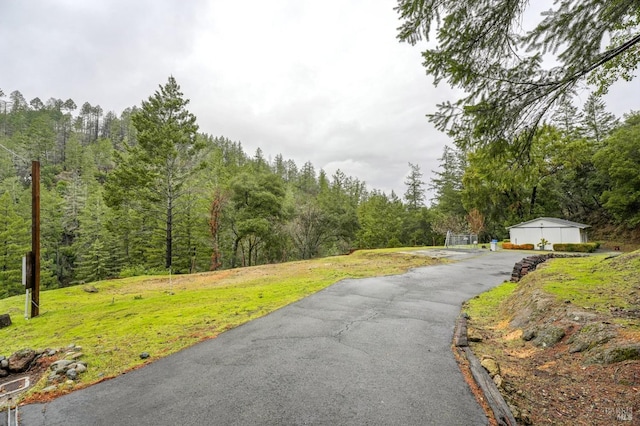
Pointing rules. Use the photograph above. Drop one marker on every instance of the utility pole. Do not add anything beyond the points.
(35, 238)
(31, 263)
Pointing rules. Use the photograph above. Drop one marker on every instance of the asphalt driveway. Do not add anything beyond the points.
(372, 351)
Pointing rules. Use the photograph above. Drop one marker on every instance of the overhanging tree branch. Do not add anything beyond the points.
(509, 94)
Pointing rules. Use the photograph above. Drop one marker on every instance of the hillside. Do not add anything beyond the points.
(566, 341)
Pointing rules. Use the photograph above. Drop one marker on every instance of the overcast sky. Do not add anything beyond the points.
(320, 81)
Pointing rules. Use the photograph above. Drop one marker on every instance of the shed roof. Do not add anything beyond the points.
(561, 222)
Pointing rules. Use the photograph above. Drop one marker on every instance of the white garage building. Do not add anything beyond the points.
(551, 229)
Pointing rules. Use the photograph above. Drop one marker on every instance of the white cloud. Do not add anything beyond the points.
(325, 82)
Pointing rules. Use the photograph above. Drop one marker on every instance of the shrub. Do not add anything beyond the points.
(509, 246)
(576, 247)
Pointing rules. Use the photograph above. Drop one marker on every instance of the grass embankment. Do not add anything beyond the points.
(161, 316)
(596, 283)
(567, 340)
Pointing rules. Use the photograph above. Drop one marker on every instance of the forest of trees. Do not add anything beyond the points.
(145, 192)
(582, 166)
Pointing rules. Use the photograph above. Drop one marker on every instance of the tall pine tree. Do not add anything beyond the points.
(414, 195)
(153, 173)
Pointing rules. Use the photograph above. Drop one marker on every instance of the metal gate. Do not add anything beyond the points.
(461, 240)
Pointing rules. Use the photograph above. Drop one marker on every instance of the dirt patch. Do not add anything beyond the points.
(553, 386)
(36, 371)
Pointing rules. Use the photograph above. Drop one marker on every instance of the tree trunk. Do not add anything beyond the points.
(533, 199)
(234, 254)
(214, 226)
(169, 233)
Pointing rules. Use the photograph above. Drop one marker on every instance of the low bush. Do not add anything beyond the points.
(576, 247)
(510, 246)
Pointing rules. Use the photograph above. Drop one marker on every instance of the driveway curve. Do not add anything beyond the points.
(374, 351)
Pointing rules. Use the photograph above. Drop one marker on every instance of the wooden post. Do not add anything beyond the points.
(35, 237)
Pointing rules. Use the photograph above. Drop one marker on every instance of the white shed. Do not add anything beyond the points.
(551, 229)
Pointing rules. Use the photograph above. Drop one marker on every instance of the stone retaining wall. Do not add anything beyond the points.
(529, 264)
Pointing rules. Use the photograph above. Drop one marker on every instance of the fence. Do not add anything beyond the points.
(461, 240)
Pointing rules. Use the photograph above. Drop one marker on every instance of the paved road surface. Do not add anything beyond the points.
(371, 351)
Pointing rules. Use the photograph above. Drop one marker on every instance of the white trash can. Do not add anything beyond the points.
(494, 245)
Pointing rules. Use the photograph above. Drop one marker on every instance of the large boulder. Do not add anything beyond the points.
(492, 367)
(548, 336)
(615, 354)
(20, 361)
(5, 320)
(590, 336)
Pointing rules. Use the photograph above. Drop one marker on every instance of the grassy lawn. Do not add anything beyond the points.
(597, 283)
(161, 316)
